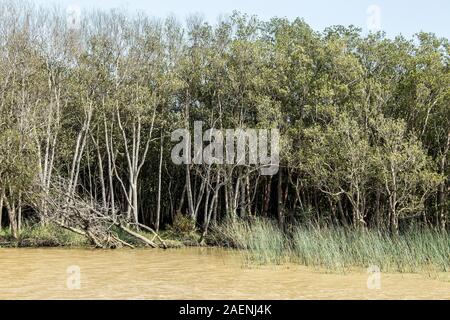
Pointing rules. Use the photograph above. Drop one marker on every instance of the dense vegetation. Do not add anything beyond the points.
(336, 249)
(88, 112)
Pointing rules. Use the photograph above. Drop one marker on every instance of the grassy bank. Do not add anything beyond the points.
(42, 236)
(263, 242)
(416, 250)
(55, 236)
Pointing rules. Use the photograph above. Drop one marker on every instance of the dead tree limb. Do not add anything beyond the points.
(137, 235)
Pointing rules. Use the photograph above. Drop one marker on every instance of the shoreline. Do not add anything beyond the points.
(262, 242)
(249, 256)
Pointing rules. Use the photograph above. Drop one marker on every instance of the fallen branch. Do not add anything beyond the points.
(123, 242)
(143, 226)
(72, 212)
(75, 230)
(137, 235)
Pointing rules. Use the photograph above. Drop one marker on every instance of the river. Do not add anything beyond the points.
(191, 273)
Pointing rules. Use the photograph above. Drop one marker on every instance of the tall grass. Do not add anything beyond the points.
(261, 240)
(414, 250)
(338, 249)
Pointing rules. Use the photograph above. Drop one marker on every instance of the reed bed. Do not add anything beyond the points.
(337, 249)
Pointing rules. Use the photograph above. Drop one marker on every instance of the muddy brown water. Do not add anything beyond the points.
(191, 273)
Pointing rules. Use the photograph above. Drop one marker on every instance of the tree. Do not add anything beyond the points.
(405, 171)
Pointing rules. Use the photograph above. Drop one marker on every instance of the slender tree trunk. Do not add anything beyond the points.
(243, 201)
(216, 204)
(267, 193)
(135, 160)
(1, 209)
(393, 213)
(12, 217)
(130, 194)
(135, 201)
(443, 207)
(100, 172)
(341, 212)
(377, 208)
(188, 168)
(226, 193)
(236, 197)
(280, 207)
(248, 202)
(79, 150)
(206, 208)
(204, 183)
(19, 214)
(394, 224)
(158, 207)
(46, 160)
(13, 222)
(212, 207)
(109, 152)
(189, 192)
(182, 199)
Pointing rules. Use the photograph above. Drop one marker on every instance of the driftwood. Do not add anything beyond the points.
(75, 230)
(156, 235)
(87, 234)
(137, 235)
(123, 242)
(73, 213)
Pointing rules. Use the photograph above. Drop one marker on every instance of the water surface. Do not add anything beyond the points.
(191, 273)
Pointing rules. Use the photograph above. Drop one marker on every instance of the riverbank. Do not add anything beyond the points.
(52, 236)
(261, 242)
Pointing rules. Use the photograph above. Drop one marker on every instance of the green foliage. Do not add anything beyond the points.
(363, 120)
(183, 229)
(182, 224)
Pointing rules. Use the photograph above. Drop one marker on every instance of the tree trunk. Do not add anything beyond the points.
(243, 198)
(227, 204)
(135, 201)
(12, 218)
(213, 206)
(280, 206)
(268, 190)
(443, 207)
(341, 212)
(236, 197)
(79, 150)
(1, 210)
(378, 219)
(158, 207)
(100, 172)
(394, 224)
(109, 151)
(189, 192)
(182, 199)
(19, 214)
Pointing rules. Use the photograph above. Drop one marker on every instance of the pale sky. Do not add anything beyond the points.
(396, 16)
